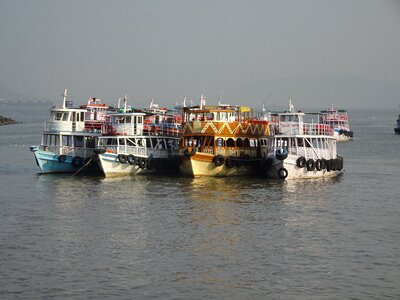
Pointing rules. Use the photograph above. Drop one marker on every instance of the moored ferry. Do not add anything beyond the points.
(221, 140)
(138, 142)
(397, 126)
(338, 119)
(298, 149)
(66, 144)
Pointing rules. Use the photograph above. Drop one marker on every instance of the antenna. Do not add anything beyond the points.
(222, 94)
(64, 98)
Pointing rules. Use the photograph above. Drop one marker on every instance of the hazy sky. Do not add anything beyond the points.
(166, 49)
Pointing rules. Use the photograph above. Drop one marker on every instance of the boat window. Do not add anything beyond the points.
(220, 142)
(78, 141)
(110, 141)
(230, 142)
(66, 140)
(58, 116)
(90, 142)
(154, 142)
(65, 116)
(252, 143)
(57, 140)
(209, 141)
(121, 141)
(148, 142)
(130, 142)
(161, 144)
(300, 142)
(128, 119)
(239, 142)
(246, 143)
(83, 116)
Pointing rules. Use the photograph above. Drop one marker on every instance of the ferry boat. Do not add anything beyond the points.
(66, 144)
(338, 119)
(397, 126)
(221, 140)
(298, 149)
(96, 114)
(138, 142)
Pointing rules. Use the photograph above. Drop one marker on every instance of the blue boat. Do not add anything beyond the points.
(66, 145)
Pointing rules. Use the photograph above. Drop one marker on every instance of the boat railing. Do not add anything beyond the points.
(165, 129)
(307, 152)
(134, 150)
(66, 150)
(294, 128)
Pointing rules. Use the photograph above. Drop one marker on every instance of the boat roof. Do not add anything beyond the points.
(217, 108)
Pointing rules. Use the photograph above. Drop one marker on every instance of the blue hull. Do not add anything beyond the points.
(49, 162)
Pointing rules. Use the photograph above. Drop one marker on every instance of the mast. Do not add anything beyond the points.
(64, 98)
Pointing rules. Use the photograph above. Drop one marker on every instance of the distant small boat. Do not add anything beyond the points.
(397, 126)
(298, 149)
(338, 119)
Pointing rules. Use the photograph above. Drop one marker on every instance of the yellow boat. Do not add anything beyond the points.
(221, 140)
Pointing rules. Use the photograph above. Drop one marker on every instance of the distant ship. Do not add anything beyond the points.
(397, 126)
(338, 119)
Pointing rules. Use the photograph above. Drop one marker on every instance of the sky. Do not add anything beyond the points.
(249, 52)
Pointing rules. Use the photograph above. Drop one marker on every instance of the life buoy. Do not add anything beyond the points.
(191, 153)
(131, 159)
(310, 164)
(229, 162)
(218, 160)
(318, 165)
(282, 173)
(340, 163)
(281, 153)
(141, 162)
(301, 162)
(333, 164)
(323, 164)
(77, 161)
(122, 158)
(62, 158)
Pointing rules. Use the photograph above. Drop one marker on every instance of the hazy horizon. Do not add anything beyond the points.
(242, 52)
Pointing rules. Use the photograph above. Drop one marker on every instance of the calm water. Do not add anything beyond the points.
(181, 238)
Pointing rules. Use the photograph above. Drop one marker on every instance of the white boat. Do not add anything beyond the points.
(66, 145)
(298, 149)
(135, 142)
(338, 119)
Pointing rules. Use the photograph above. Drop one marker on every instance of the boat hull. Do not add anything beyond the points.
(50, 162)
(201, 164)
(294, 172)
(111, 166)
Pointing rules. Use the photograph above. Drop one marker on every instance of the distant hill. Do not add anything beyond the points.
(320, 92)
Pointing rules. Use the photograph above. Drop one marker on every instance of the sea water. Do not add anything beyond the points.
(163, 237)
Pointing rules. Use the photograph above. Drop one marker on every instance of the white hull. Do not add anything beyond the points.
(341, 137)
(294, 172)
(111, 166)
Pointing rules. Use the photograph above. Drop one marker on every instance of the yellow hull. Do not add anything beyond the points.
(201, 164)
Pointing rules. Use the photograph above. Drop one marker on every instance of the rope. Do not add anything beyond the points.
(81, 167)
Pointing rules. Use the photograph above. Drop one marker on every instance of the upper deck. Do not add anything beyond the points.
(224, 120)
